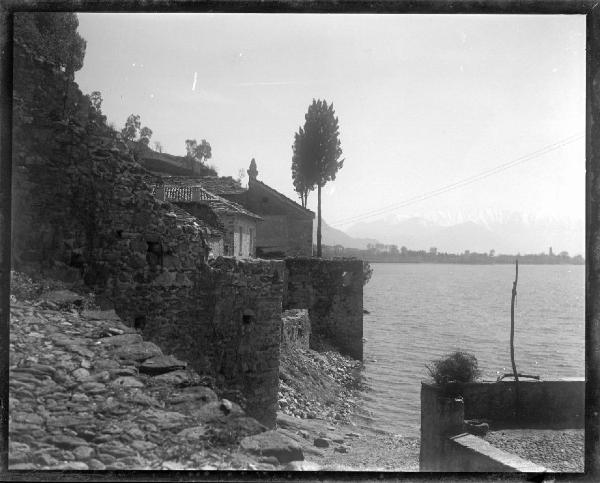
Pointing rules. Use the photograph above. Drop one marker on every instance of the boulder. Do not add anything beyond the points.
(121, 340)
(62, 297)
(271, 443)
(160, 365)
(100, 315)
(138, 352)
(321, 442)
(127, 381)
(175, 378)
(214, 411)
(194, 395)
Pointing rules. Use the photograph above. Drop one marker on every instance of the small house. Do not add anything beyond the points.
(236, 225)
(286, 228)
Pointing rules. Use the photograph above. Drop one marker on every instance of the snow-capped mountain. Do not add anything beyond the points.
(504, 232)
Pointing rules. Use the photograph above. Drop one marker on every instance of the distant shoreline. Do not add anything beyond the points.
(429, 262)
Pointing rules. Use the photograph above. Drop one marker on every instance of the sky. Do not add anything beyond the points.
(446, 116)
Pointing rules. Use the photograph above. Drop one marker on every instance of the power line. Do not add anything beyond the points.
(461, 183)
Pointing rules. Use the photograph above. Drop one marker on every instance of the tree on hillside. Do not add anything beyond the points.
(145, 135)
(199, 152)
(132, 126)
(158, 146)
(316, 154)
(96, 101)
(53, 36)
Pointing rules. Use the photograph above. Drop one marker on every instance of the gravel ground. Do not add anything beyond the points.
(558, 450)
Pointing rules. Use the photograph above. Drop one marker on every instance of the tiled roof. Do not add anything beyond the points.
(283, 197)
(195, 193)
(220, 185)
(221, 205)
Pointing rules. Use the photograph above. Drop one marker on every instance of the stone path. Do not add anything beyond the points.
(88, 393)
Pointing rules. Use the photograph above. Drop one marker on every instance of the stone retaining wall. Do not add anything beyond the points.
(82, 212)
(332, 290)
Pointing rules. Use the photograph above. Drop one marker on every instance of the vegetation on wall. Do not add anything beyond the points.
(52, 36)
(455, 367)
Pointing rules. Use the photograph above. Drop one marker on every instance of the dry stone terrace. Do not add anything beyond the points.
(89, 393)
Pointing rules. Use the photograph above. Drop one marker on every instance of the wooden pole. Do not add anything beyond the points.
(512, 322)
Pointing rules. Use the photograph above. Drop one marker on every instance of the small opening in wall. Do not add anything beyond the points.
(119, 233)
(77, 259)
(154, 255)
(139, 322)
(248, 316)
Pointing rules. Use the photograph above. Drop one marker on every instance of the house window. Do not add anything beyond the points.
(240, 250)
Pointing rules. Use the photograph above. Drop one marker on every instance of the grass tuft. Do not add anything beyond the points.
(455, 367)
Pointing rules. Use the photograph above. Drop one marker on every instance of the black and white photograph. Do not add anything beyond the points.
(276, 242)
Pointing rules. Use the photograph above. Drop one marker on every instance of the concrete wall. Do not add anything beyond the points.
(444, 446)
(332, 290)
(556, 403)
(468, 453)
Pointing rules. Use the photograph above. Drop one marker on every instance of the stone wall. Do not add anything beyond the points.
(332, 290)
(227, 324)
(83, 212)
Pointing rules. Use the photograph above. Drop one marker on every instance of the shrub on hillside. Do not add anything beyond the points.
(455, 367)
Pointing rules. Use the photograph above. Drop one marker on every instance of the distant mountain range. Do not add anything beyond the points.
(508, 233)
(332, 236)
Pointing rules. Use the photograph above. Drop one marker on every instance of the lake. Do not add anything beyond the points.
(419, 312)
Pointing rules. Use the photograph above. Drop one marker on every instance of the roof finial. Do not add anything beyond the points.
(252, 171)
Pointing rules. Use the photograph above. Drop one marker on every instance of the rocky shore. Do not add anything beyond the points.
(319, 399)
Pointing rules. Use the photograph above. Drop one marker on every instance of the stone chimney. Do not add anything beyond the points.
(252, 171)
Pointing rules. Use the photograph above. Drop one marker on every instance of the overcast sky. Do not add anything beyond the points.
(424, 102)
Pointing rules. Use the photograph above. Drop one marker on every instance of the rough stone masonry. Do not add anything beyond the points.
(82, 211)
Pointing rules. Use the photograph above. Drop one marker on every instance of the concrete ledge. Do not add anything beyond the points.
(558, 403)
(471, 453)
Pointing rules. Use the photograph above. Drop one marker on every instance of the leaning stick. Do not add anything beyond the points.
(512, 322)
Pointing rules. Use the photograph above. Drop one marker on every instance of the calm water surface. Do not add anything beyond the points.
(419, 312)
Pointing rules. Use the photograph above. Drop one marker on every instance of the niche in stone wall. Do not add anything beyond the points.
(155, 253)
(139, 322)
(248, 317)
